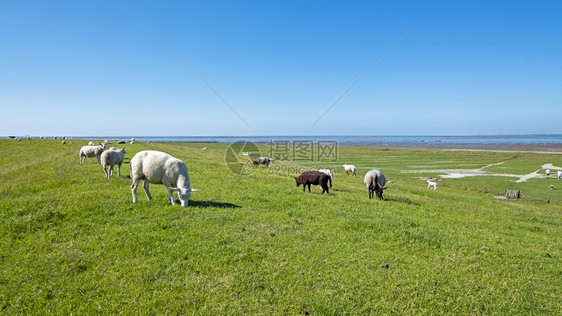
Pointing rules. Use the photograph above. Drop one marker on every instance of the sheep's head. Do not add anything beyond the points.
(297, 181)
(184, 194)
(379, 192)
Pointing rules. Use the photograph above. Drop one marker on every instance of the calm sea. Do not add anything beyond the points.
(538, 139)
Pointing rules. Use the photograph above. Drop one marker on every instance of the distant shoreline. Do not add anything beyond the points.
(501, 147)
(538, 148)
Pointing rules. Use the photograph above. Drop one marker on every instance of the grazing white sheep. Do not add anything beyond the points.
(431, 184)
(205, 148)
(160, 168)
(90, 151)
(350, 168)
(329, 173)
(247, 154)
(113, 156)
(91, 144)
(63, 142)
(375, 181)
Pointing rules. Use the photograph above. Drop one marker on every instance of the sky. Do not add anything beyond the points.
(259, 68)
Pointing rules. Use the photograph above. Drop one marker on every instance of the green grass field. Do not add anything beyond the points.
(72, 242)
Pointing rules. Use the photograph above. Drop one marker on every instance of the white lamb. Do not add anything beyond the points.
(432, 184)
(375, 182)
(329, 173)
(160, 168)
(350, 168)
(90, 151)
(111, 158)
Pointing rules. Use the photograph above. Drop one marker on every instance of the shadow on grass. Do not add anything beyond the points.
(403, 200)
(212, 204)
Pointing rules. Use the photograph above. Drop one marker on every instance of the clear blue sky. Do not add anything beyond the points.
(98, 68)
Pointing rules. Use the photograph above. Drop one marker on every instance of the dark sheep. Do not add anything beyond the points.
(262, 161)
(313, 177)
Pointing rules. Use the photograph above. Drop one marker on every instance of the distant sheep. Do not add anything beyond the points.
(329, 173)
(350, 168)
(375, 182)
(63, 142)
(91, 144)
(90, 151)
(313, 177)
(262, 161)
(432, 184)
(111, 158)
(160, 168)
(247, 154)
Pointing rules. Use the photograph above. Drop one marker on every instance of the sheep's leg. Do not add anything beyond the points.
(171, 196)
(105, 171)
(134, 190)
(147, 190)
(309, 187)
(110, 172)
(330, 182)
(119, 169)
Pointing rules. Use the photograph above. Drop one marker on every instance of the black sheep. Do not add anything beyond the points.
(313, 177)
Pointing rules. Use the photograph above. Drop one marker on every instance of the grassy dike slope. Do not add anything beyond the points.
(71, 241)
